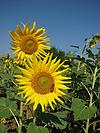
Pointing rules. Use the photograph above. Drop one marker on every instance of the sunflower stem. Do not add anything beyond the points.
(87, 123)
(20, 116)
(91, 98)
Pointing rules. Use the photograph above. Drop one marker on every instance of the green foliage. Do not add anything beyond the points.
(81, 109)
(57, 119)
(32, 128)
(58, 53)
(7, 107)
(95, 39)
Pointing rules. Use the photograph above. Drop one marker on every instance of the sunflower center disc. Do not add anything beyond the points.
(28, 45)
(44, 84)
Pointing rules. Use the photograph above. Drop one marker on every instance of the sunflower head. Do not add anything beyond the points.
(29, 42)
(43, 82)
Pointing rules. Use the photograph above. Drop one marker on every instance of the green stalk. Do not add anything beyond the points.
(91, 98)
(94, 78)
(20, 116)
(87, 123)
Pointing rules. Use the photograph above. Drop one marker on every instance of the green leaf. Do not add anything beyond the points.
(92, 110)
(32, 128)
(82, 112)
(2, 128)
(57, 119)
(4, 112)
(10, 94)
(5, 106)
(64, 106)
(89, 80)
(42, 130)
(61, 115)
(62, 125)
(48, 118)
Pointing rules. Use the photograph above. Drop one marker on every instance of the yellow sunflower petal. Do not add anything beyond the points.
(40, 31)
(59, 72)
(36, 102)
(62, 86)
(33, 28)
(25, 72)
(59, 100)
(51, 105)
(14, 36)
(54, 66)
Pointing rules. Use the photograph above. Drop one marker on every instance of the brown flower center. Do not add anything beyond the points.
(28, 45)
(43, 83)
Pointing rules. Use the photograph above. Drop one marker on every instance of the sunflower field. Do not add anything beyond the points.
(45, 90)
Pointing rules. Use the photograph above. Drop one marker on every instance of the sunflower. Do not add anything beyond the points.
(27, 43)
(42, 82)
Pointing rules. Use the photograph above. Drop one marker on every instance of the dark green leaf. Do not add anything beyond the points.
(61, 126)
(5, 112)
(32, 128)
(61, 114)
(6, 106)
(49, 118)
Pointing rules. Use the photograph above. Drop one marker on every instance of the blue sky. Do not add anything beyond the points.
(68, 22)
